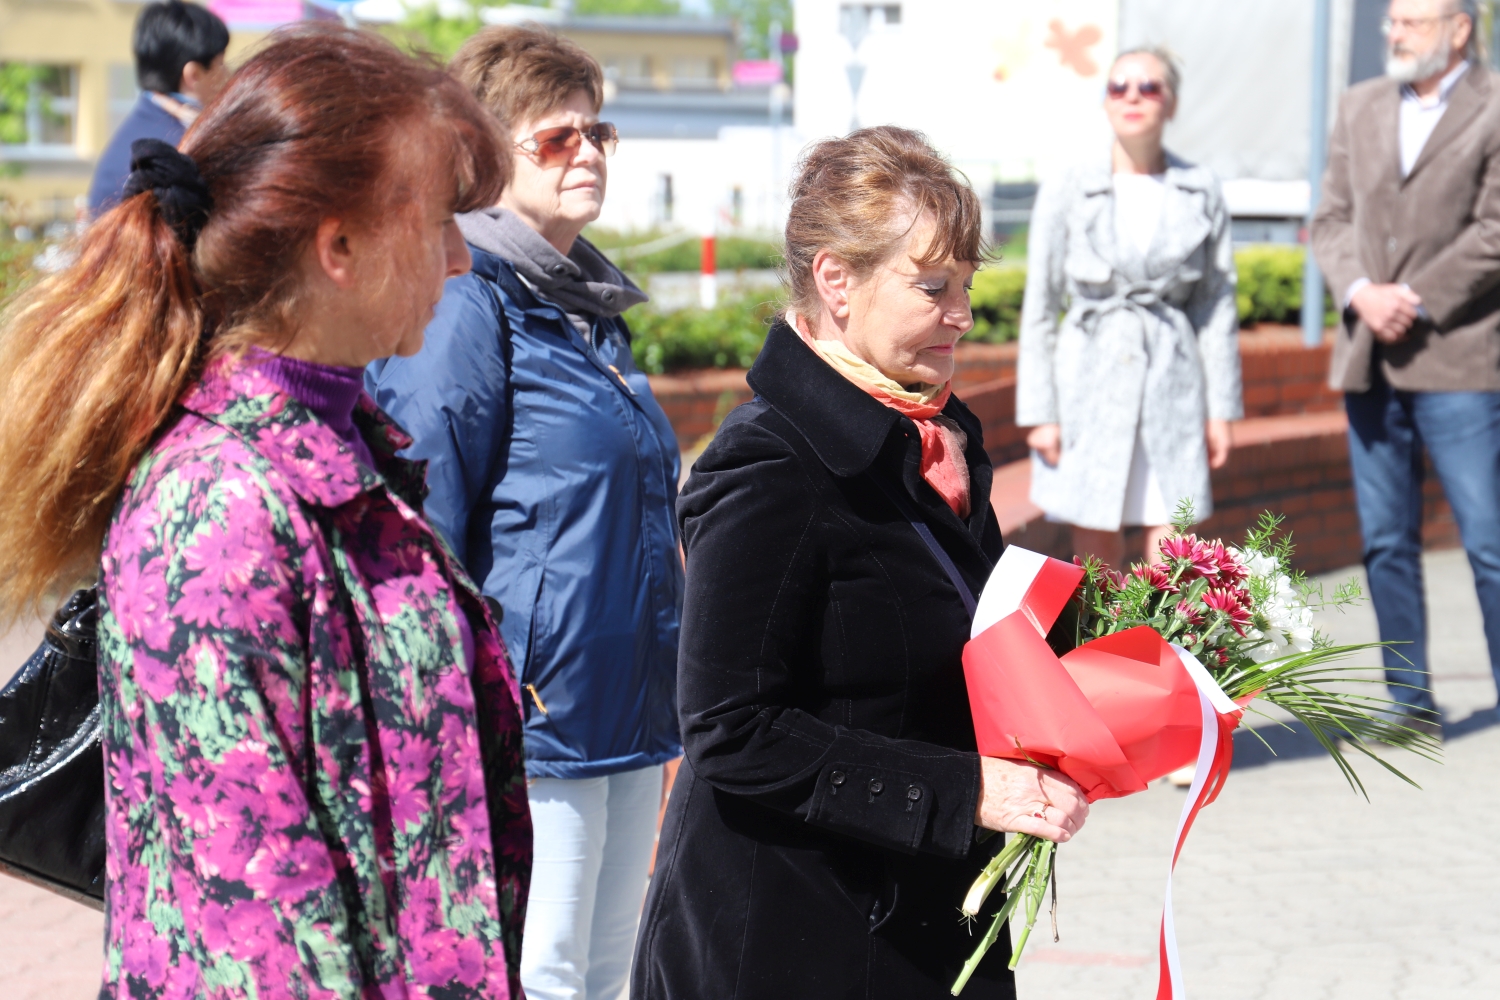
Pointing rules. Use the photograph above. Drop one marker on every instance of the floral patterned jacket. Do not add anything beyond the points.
(308, 796)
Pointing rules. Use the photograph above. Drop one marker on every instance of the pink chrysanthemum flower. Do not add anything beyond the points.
(1178, 546)
(1190, 613)
(1227, 568)
(1106, 579)
(1188, 549)
(1232, 603)
(1158, 576)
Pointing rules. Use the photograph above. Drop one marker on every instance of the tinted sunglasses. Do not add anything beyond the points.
(551, 144)
(1151, 90)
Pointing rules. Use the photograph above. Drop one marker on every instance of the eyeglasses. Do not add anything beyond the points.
(1151, 90)
(551, 144)
(1412, 24)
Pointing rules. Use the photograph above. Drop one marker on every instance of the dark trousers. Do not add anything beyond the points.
(1461, 432)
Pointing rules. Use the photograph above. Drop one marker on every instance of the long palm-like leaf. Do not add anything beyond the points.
(1302, 685)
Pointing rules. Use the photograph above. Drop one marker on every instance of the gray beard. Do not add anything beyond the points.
(1412, 70)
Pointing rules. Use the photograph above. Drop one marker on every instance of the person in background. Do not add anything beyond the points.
(1405, 234)
(179, 65)
(824, 825)
(311, 732)
(553, 472)
(1129, 395)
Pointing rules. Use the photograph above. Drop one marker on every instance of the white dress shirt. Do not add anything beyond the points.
(1418, 119)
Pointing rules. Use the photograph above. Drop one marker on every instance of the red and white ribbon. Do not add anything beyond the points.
(1215, 751)
(1028, 582)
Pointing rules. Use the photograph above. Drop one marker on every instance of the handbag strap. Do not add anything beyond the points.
(938, 553)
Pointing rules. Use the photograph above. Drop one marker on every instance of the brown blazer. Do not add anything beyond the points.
(1437, 230)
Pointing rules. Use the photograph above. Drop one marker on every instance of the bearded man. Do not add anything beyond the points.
(1408, 235)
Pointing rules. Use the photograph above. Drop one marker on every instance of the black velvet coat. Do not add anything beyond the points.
(820, 836)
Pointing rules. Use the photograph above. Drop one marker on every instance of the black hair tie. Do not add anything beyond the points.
(174, 177)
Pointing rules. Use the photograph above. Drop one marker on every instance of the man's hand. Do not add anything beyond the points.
(1388, 310)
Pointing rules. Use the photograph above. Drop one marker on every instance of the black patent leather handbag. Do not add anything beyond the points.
(51, 762)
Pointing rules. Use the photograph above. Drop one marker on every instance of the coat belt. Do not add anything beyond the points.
(1139, 298)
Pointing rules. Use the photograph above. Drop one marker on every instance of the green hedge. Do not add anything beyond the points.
(1269, 291)
(1270, 286)
(728, 336)
(731, 253)
(996, 301)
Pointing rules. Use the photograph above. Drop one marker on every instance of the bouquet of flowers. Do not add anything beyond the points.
(1117, 679)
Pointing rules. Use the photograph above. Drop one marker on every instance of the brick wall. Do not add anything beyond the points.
(1296, 465)
(1281, 376)
(696, 402)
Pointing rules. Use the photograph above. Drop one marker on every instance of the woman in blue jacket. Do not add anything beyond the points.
(553, 474)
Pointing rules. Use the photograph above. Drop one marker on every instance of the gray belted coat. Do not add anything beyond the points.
(1148, 343)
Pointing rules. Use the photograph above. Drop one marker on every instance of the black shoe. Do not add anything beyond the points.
(1424, 722)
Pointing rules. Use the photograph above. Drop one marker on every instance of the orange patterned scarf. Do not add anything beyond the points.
(943, 443)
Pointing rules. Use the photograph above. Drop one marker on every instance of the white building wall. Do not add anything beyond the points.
(705, 173)
(1013, 89)
(1007, 89)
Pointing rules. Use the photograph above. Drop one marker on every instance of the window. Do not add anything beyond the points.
(630, 72)
(38, 107)
(695, 72)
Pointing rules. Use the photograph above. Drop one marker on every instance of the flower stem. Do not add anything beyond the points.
(995, 871)
(986, 942)
(1038, 874)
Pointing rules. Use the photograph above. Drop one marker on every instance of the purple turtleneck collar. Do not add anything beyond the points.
(329, 391)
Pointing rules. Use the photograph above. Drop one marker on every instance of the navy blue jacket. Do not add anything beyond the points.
(145, 121)
(553, 472)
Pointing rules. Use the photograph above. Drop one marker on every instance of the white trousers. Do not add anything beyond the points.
(593, 841)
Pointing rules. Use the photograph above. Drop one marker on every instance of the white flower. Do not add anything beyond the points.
(1257, 563)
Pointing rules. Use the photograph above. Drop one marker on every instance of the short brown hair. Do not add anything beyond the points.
(848, 191)
(522, 72)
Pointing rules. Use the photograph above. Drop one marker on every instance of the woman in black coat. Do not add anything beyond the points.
(822, 831)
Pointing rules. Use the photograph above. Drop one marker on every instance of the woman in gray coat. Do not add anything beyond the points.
(1129, 393)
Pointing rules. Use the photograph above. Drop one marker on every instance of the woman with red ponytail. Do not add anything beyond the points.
(312, 742)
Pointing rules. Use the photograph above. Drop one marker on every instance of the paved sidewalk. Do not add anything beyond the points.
(1290, 888)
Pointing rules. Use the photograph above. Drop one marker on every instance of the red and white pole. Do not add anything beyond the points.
(708, 277)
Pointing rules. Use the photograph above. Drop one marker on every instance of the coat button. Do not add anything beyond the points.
(876, 786)
(559, 268)
(837, 778)
(1390, 244)
(913, 792)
